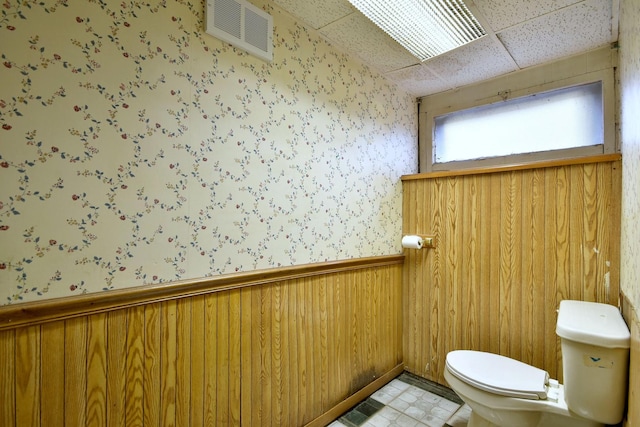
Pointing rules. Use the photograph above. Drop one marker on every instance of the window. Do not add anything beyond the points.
(560, 110)
(557, 120)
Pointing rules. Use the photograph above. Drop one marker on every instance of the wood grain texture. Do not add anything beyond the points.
(32, 313)
(52, 341)
(510, 244)
(280, 353)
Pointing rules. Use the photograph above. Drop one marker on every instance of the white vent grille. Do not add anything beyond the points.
(243, 25)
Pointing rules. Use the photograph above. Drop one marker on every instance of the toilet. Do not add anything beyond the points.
(505, 392)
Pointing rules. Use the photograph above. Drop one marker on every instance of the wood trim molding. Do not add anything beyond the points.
(30, 313)
(515, 167)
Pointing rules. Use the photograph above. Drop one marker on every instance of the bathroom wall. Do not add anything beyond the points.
(510, 244)
(136, 149)
(630, 144)
(281, 350)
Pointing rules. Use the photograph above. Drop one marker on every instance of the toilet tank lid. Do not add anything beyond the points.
(592, 323)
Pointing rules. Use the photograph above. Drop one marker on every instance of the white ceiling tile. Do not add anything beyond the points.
(317, 14)
(501, 14)
(579, 28)
(359, 36)
(479, 60)
(418, 80)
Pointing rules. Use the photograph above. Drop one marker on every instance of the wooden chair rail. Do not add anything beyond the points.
(30, 313)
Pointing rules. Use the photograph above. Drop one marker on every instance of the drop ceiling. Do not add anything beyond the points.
(520, 34)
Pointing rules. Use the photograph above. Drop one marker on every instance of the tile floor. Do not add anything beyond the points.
(408, 401)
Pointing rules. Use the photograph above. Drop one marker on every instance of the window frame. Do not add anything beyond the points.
(490, 93)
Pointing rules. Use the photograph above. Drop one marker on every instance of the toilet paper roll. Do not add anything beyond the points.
(412, 242)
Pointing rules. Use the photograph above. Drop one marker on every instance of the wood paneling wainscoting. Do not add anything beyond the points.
(283, 347)
(510, 243)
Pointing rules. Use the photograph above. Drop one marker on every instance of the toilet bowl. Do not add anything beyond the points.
(505, 392)
(514, 405)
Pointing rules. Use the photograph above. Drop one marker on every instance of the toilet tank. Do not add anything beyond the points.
(595, 359)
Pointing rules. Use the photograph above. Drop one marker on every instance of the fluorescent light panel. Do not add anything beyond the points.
(426, 28)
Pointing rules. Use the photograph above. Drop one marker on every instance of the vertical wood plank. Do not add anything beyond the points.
(313, 360)
(247, 356)
(528, 243)
(577, 280)
(75, 393)
(234, 357)
(537, 276)
(75, 371)
(590, 231)
(419, 224)
(183, 361)
(116, 367)
(276, 354)
(222, 364)
(608, 223)
(197, 362)
(485, 285)
(266, 383)
(515, 307)
(507, 239)
(470, 265)
(495, 195)
(7, 378)
(169, 355)
(563, 217)
(97, 370)
(27, 385)
(563, 203)
(436, 291)
(551, 269)
(298, 336)
(324, 342)
(135, 366)
(210, 355)
(152, 373)
(283, 359)
(52, 359)
(455, 205)
(332, 333)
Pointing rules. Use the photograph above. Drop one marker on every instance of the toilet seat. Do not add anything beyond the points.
(498, 374)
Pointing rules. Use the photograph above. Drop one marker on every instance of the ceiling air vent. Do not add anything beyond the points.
(243, 25)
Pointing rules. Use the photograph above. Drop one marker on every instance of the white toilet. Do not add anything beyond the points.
(595, 358)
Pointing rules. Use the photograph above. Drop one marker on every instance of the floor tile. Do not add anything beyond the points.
(408, 401)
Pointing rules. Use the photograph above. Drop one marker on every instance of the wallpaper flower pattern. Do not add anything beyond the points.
(630, 142)
(137, 149)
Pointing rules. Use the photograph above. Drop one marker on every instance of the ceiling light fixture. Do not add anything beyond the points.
(426, 28)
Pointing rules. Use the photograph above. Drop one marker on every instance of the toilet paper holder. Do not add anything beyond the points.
(424, 241)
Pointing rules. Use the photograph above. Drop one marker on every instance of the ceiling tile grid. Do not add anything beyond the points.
(316, 14)
(360, 37)
(521, 34)
(579, 28)
(480, 60)
(501, 14)
(418, 79)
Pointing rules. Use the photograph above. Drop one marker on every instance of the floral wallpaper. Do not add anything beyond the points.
(630, 145)
(137, 149)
